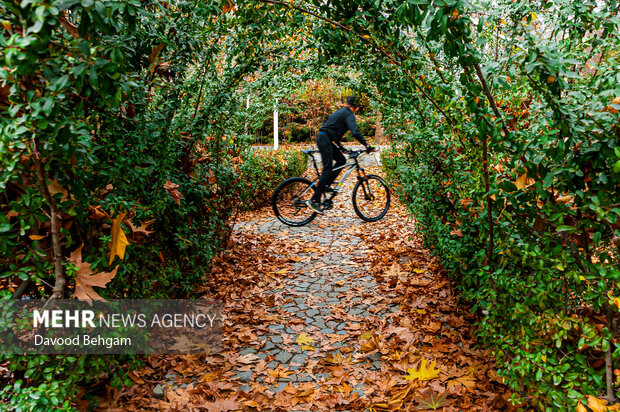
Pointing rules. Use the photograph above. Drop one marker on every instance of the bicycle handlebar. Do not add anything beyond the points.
(358, 152)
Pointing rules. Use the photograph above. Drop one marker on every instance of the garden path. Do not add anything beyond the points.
(337, 315)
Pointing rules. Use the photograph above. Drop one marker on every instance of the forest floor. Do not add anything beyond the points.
(339, 315)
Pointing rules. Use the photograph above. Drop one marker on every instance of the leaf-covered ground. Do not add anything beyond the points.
(337, 315)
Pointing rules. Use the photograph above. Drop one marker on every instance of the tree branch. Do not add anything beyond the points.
(489, 96)
(59, 285)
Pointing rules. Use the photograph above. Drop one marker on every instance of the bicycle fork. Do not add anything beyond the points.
(365, 186)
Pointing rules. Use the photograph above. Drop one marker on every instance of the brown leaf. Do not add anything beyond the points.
(172, 189)
(54, 187)
(97, 213)
(85, 279)
(140, 230)
(228, 6)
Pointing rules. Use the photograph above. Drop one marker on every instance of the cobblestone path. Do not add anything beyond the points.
(338, 315)
(326, 295)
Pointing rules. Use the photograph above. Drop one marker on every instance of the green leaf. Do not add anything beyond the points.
(565, 228)
(507, 186)
(85, 48)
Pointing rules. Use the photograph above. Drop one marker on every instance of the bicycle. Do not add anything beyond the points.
(288, 201)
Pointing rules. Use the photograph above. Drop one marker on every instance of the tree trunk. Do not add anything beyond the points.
(379, 137)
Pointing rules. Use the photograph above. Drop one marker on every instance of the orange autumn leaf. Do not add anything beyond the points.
(597, 405)
(86, 278)
(521, 181)
(119, 241)
(228, 6)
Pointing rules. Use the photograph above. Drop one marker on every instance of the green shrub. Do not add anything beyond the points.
(540, 297)
(262, 171)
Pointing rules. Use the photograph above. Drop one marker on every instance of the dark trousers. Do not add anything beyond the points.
(329, 154)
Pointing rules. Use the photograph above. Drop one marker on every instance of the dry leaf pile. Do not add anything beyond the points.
(339, 315)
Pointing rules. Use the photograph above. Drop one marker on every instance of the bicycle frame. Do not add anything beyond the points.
(350, 166)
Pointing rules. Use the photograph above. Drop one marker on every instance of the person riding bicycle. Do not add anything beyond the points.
(328, 141)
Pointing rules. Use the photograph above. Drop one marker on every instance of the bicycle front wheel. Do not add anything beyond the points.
(289, 202)
(371, 198)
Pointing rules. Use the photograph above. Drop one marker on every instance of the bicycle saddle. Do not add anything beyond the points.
(309, 152)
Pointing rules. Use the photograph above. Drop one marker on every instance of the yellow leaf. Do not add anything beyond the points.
(550, 79)
(424, 373)
(521, 181)
(36, 237)
(119, 240)
(304, 339)
(599, 405)
(544, 358)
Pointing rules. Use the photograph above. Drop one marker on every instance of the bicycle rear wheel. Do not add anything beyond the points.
(288, 202)
(371, 198)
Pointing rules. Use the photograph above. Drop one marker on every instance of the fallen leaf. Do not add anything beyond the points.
(423, 373)
(248, 358)
(228, 6)
(140, 230)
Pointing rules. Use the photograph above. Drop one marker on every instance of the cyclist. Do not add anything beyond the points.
(328, 141)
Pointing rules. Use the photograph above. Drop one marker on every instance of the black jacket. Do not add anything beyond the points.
(338, 123)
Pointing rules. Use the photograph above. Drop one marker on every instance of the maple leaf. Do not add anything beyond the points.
(280, 372)
(119, 241)
(85, 278)
(172, 189)
(142, 229)
(305, 341)
(424, 373)
(248, 358)
(431, 400)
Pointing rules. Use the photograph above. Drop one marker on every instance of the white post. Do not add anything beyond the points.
(275, 126)
(247, 109)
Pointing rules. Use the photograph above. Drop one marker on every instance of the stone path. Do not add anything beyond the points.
(325, 298)
(337, 315)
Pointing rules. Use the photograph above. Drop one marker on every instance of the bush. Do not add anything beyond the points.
(543, 295)
(262, 171)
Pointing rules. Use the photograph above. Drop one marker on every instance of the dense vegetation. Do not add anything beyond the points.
(111, 142)
(124, 129)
